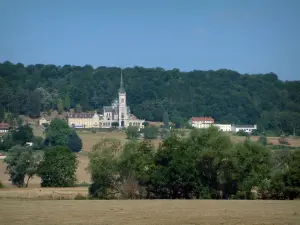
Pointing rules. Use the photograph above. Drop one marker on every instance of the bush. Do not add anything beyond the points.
(1, 184)
(282, 140)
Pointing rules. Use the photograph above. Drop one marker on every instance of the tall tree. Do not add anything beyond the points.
(1, 112)
(166, 120)
(58, 167)
(57, 133)
(21, 162)
(74, 141)
(67, 103)
(35, 104)
(60, 106)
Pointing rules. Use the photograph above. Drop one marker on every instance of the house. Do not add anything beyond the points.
(245, 128)
(117, 113)
(224, 127)
(4, 127)
(202, 122)
(43, 121)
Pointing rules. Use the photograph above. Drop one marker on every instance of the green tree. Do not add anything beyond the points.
(35, 104)
(150, 132)
(166, 120)
(1, 112)
(67, 103)
(58, 167)
(74, 142)
(103, 167)
(21, 162)
(263, 140)
(115, 124)
(60, 106)
(132, 132)
(22, 135)
(78, 108)
(57, 133)
(6, 141)
(254, 163)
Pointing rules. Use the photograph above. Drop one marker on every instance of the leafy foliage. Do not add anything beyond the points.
(22, 135)
(74, 142)
(205, 165)
(226, 95)
(21, 161)
(57, 133)
(58, 167)
(132, 132)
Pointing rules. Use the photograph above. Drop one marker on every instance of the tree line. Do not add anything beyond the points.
(206, 164)
(225, 95)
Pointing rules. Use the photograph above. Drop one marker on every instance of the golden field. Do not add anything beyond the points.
(148, 212)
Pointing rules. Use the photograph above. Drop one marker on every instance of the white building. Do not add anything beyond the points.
(118, 113)
(245, 128)
(202, 122)
(224, 127)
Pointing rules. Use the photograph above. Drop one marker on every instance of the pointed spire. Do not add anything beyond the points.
(121, 83)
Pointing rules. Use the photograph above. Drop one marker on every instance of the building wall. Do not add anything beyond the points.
(200, 124)
(224, 127)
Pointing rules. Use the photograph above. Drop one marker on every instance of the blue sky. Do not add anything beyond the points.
(249, 36)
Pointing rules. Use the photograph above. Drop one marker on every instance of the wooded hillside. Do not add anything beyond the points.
(225, 95)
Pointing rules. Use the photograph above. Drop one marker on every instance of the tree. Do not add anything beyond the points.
(150, 132)
(35, 104)
(146, 123)
(74, 142)
(58, 167)
(57, 133)
(60, 106)
(1, 112)
(67, 103)
(166, 120)
(103, 167)
(263, 140)
(22, 135)
(132, 132)
(21, 162)
(254, 163)
(78, 108)
(115, 124)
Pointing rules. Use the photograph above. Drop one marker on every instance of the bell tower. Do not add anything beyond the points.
(123, 117)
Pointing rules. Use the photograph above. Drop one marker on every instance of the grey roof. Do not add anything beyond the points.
(80, 115)
(110, 109)
(244, 126)
(107, 108)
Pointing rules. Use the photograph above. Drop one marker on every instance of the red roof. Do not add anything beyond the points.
(4, 125)
(202, 119)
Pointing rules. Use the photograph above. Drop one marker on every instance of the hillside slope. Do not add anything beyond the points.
(226, 95)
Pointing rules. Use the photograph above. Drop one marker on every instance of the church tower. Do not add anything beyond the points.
(123, 114)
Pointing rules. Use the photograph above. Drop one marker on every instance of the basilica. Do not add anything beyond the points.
(118, 114)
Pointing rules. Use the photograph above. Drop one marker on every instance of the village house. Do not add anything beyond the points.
(4, 127)
(117, 114)
(43, 121)
(202, 122)
(245, 128)
(205, 122)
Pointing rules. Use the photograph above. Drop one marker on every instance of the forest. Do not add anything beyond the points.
(225, 95)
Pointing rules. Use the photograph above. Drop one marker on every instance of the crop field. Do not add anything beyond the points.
(148, 212)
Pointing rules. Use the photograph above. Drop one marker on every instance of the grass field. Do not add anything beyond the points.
(148, 212)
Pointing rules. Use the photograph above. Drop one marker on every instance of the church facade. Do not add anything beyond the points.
(117, 114)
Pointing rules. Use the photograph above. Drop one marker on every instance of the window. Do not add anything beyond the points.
(122, 100)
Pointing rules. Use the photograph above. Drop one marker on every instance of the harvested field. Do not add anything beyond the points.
(42, 193)
(148, 212)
